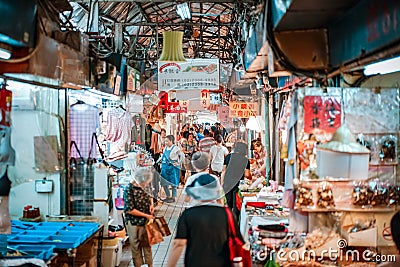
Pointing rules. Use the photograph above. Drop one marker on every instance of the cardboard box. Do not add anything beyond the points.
(86, 252)
(365, 238)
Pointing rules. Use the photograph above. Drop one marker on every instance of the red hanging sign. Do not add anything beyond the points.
(174, 107)
(205, 98)
(322, 114)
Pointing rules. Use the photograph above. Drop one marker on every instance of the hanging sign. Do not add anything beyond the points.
(223, 117)
(205, 98)
(174, 107)
(134, 103)
(215, 98)
(242, 109)
(184, 103)
(322, 113)
(133, 78)
(195, 73)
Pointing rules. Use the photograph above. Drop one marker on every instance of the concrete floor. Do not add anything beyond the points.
(171, 213)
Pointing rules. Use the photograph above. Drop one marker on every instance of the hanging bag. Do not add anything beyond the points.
(119, 200)
(154, 233)
(81, 184)
(236, 245)
(163, 225)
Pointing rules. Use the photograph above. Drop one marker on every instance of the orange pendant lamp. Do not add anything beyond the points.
(172, 47)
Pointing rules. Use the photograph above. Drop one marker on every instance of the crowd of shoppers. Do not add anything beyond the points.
(210, 174)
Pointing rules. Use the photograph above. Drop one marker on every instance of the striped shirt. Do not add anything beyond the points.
(206, 143)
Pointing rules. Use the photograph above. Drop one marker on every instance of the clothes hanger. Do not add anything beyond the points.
(79, 102)
(121, 107)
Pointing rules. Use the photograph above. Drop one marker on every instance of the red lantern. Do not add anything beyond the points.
(163, 96)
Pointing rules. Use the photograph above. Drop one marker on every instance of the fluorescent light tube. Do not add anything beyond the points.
(183, 11)
(383, 67)
(5, 54)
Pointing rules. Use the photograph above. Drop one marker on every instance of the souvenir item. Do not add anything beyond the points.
(304, 197)
(325, 196)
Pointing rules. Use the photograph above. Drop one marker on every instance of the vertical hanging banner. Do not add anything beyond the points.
(133, 78)
(322, 114)
(205, 98)
(196, 73)
(223, 117)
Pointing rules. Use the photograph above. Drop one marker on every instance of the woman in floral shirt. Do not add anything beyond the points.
(138, 208)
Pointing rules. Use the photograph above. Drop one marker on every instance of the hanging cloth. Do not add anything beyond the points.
(84, 121)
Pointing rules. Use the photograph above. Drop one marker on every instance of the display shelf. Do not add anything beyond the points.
(383, 164)
(349, 209)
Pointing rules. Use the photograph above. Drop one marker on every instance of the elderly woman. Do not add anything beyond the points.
(203, 229)
(138, 208)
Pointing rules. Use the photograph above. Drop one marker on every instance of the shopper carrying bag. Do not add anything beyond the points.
(138, 211)
(154, 233)
(203, 229)
(237, 250)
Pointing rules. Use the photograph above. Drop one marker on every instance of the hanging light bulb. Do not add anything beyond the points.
(252, 124)
(172, 47)
(242, 128)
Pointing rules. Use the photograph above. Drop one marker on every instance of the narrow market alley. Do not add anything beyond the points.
(171, 212)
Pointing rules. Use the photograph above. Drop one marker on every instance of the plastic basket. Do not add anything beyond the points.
(26, 239)
(62, 242)
(38, 251)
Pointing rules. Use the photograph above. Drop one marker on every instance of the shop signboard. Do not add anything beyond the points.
(195, 73)
(223, 117)
(215, 98)
(239, 109)
(174, 107)
(371, 26)
(134, 103)
(184, 103)
(205, 98)
(322, 114)
(133, 79)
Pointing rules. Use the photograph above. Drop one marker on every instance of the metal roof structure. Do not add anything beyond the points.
(134, 28)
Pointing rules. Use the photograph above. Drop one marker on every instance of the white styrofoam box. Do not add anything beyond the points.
(365, 238)
(119, 252)
(108, 256)
(100, 210)
(100, 184)
(342, 165)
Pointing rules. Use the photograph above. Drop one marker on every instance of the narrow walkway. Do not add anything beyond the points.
(171, 213)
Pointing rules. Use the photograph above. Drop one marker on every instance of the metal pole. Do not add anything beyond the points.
(267, 139)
